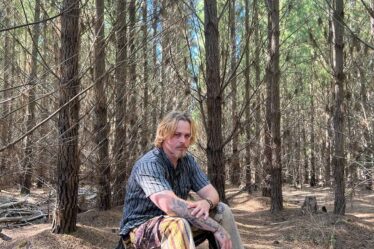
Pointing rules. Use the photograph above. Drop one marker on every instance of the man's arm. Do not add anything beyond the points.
(172, 205)
(209, 200)
(210, 193)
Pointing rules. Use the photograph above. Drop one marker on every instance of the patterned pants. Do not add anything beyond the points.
(163, 232)
(176, 233)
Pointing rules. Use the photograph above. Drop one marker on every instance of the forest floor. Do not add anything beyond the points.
(258, 227)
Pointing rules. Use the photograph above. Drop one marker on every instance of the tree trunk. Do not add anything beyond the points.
(268, 152)
(369, 166)
(155, 99)
(133, 134)
(4, 124)
(248, 146)
(257, 158)
(313, 180)
(155, 23)
(120, 106)
(328, 149)
(305, 153)
(56, 36)
(372, 18)
(299, 165)
(42, 166)
(65, 216)
(30, 120)
(166, 7)
(276, 170)
(235, 162)
(145, 122)
(338, 118)
(368, 146)
(101, 129)
(216, 166)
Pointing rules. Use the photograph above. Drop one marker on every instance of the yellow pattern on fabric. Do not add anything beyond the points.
(177, 234)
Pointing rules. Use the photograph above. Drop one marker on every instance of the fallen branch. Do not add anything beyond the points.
(12, 204)
(11, 219)
(17, 213)
(41, 215)
(23, 219)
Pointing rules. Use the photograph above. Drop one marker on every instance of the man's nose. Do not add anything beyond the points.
(182, 139)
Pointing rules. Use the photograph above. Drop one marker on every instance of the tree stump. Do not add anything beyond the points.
(309, 205)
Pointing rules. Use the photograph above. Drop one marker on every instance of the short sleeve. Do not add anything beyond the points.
(198, 178)
(151, 178)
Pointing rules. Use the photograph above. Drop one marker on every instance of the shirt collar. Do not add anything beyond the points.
(166, 160)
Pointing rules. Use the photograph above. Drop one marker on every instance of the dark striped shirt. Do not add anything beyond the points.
(154, 173)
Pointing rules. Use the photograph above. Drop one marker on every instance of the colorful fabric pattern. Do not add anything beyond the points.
(163, 232)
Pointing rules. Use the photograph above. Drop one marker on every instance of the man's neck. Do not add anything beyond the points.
(171, 157)
(173, 160)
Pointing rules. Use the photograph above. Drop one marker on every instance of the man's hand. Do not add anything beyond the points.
(223, 238)
(200, 209)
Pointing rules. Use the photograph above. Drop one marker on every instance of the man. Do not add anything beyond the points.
(156, 212)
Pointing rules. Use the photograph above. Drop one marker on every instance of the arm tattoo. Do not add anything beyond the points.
(180, 208)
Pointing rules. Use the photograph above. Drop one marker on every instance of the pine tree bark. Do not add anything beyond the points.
(4, 124)
(120, 106)
(65, 215)
(43, 157)
(216, 166)
(30, 120)
(372, 18)
(299, 165)
(235, 161)
(327, 146)
(366, 132)
(155, 99)
(305, 153)
(338, 118)
(369, 166)
(145, 123)
(268, 151)
(276, 169)
(133, 133)
(101, 129)
(166, 8)
(248, 147)
(258, 104)
(313, 180)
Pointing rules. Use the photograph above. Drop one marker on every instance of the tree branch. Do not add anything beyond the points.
(32, 23)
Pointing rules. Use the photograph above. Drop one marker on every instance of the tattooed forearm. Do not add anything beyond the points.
(181, 209)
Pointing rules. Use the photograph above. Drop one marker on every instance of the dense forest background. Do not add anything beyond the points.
(282, 92)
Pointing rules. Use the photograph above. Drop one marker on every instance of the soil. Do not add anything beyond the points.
(259, 228)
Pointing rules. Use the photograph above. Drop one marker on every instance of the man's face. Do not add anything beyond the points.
(177, 144)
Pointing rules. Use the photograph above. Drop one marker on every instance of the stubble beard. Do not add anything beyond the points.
(181, 153)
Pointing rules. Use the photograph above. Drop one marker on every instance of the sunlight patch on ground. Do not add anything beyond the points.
(368, 217)
(239, 224)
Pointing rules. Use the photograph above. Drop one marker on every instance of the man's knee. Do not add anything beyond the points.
(224, 209)
(176, 233)
(222, 213)
(176, 224)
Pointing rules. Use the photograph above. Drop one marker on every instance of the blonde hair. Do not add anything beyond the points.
(168, 125)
